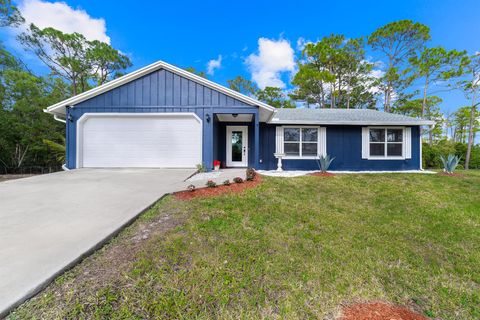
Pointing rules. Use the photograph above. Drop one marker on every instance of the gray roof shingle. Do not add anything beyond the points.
(344, 116)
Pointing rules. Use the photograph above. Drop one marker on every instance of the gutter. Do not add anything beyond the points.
(59, 119)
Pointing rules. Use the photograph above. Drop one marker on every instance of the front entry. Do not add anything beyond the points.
(237, 146)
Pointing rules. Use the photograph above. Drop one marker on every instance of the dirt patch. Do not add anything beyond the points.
(218, 190)
(379, 311)
(322, 174)
(454, 174)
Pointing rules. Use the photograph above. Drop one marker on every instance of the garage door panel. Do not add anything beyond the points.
(142, 141)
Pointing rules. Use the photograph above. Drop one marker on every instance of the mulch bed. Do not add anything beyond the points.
(379, 311)
(218, 190)
(322, 174)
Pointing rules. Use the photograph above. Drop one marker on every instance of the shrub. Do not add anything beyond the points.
(250, 174)
(450, 163)
(237, 180)
(201, 167)
(191, 188)
(211, 184)
(226, 182)
(324, 162)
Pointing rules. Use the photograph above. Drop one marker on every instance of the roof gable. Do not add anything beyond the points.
(228, 95)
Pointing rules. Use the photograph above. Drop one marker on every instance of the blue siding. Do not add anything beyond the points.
(159, 91)
(220, 142)
(345, 144)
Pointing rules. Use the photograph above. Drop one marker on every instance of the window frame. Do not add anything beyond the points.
(300, 142)
(385, 143)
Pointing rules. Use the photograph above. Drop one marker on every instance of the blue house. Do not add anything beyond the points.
(163, 116)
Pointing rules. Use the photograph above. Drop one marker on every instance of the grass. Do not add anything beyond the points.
(291, 248)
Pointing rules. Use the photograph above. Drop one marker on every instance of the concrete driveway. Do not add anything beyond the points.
(49, 222)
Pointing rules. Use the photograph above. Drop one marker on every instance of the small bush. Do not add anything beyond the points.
(211, 184)
(324, 162)
(238, 180)
(226, 182)
(201, 168)
(250, 174)
(191, 188)
(450, 163)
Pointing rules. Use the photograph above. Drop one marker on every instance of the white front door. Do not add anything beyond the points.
(237, 146)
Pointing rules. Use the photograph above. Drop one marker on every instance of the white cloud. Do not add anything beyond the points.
(214, 64)
(61, 16)
(273, 58)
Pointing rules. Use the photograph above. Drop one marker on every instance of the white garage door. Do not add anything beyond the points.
(157, 140)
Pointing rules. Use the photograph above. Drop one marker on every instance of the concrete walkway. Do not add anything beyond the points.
(200, 179)
(49, 222)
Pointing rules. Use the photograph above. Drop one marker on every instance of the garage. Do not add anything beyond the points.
(152, 140)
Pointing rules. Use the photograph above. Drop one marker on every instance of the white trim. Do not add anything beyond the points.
(421, 151)
(300, 142)
(57, 108)
(408, 142)
(279, 140)
(385, 157)
(352, 122)
(56, 117)
(244, 162)
(86, 116)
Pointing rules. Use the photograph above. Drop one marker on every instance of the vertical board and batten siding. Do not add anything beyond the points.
(345, 144)
(159, 91)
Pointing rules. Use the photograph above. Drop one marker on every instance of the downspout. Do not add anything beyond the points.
(56, 117)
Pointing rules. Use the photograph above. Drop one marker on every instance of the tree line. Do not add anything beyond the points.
(334, 72)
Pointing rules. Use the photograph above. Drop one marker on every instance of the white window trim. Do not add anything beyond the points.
(287, 157)
(385, 157)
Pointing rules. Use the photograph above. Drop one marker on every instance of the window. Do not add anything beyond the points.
(386, 142)
(300, 142)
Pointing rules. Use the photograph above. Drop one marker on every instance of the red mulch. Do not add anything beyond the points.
(322, 174)
(218, 190)
(379, 311)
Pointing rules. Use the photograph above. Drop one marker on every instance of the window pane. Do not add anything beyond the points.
(377, 149)
(377, 135)
(309, 134)
(394, 149)
(237, 143)
(291, 134)
(291, 149)
(394, 135)
(309, 149)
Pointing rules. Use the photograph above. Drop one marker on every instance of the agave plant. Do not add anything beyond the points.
(324, 162)
(450, 163)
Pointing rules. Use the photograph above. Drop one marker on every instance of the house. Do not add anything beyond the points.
(163, 116)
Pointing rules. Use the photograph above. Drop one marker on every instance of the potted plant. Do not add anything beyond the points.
(216, 165)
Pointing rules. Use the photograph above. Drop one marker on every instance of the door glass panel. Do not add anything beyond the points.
(237, 145)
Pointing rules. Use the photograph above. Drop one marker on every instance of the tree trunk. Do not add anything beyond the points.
(471, 129)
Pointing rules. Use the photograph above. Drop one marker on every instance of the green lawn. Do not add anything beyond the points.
(291, 248)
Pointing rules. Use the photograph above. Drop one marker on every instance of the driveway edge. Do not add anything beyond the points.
(32, 293)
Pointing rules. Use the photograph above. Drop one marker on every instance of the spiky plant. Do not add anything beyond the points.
(450, 163)
(324, 162)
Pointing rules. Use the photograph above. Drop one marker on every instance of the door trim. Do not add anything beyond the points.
(81, 121)
(229, 162)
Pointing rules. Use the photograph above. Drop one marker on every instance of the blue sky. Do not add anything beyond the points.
(191, 33)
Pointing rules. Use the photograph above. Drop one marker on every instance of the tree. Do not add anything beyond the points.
(334, 71)
(470, 87)
(436, 65)
(23, 124)
(398, 41)
(194, 71)
(106, 62)
(80, 62)
(65, 54)
(429, 108)
(9, 14)
(275, 97)
(242, 85)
